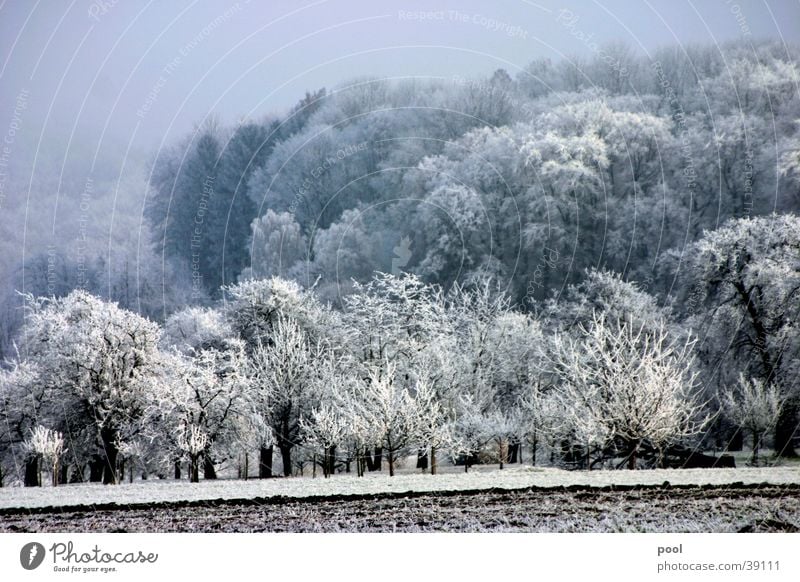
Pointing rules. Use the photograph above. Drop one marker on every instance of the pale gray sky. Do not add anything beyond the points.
(139, 72)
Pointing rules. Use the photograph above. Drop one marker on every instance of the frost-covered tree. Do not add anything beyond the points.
(276, 318)
(472, 428)
(99, 361)
(753, 405)
(48, 445)
(626, 387)
(25, 401)
(390, 321)
(182, 187)
(739, 286)
(201, 400)
(543, 416)
(278, 247)
(282, 382)
(231, 210)
(196, 328)
(608, 293)
(254, 307)
(394, 412)
(326, 428)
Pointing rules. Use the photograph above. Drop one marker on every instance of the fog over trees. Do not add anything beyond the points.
(591, 264)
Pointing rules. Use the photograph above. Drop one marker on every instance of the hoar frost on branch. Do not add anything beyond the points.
(627, 388)
(753, 405)
(48, 444)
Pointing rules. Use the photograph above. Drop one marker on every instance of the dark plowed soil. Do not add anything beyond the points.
(723, 509)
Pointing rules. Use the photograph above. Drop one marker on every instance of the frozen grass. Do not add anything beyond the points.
(694, 509)
(516, 477)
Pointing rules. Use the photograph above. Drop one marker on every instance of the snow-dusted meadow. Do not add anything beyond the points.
(156, 491)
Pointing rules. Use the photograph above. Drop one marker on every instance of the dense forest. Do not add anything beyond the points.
(596, 259)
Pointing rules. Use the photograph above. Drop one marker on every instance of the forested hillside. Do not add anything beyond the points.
(453, 264)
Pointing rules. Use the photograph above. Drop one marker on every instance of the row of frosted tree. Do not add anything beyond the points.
(601, 377)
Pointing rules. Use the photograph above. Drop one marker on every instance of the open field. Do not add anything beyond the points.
(515, 499)
(484, 478)
(729, 508)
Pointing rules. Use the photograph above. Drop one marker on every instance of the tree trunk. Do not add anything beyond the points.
(32, 472)
(194, 468)
(433, 460)
(331, 460)
(534, 444)
(55, 475)
(391, 463)
(377, 460)
(422, 459)
(246, 466)
(756, 442)
(286, 457)
(63, 477)
(786, 430)
(632, 457)
(96, 466)
(736, 442)
(209, 472)
(265, 462)
(178, 469)
(110, 453)
(513, 452)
